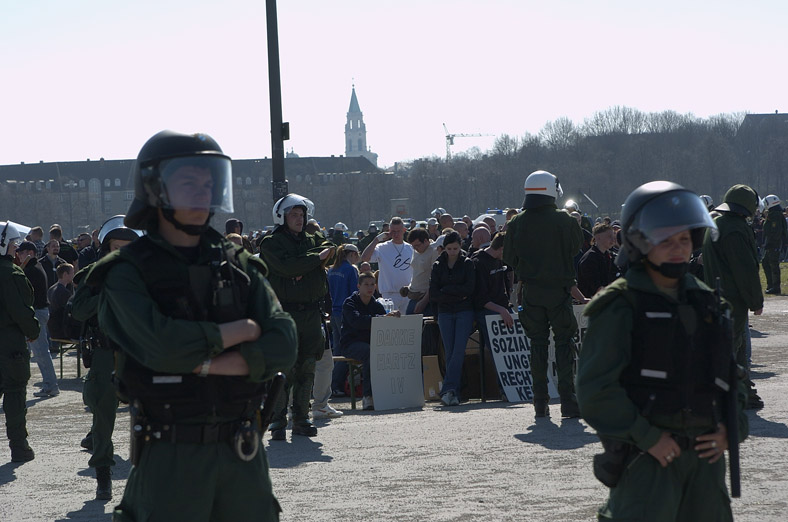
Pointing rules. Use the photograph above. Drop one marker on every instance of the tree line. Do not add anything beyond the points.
(605, 158)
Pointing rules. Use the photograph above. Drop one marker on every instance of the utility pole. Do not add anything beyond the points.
(279, 131)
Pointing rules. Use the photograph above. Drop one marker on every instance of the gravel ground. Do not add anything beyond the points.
(478, 462)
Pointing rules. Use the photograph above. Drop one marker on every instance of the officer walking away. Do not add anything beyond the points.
(652, 375)
(775, 238)
(733, 258)
(541, 243)
(98, 393)
(17, 323)
(200, 332)
(297, 261)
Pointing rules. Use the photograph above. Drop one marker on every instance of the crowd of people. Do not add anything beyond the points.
(242, 307)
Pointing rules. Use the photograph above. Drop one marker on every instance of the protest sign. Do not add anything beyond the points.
(395, 362)
(511, 351)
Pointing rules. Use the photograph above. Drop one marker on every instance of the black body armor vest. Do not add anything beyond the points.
(679, 359)
(217, 292)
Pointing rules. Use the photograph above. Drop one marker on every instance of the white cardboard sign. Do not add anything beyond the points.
(511, 350)
(395, 362)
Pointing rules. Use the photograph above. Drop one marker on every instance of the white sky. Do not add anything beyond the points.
(96, 78)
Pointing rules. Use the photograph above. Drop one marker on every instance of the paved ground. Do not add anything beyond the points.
(477, 462)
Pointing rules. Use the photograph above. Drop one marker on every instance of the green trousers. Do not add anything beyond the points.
(98, 394)
(740, 324)
(689, 489)
(771, 267)
(301, 377)
(14, 375)
(543, 310)
(198, 483)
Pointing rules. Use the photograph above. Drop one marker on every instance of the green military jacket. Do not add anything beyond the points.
(129, 316)
(84, 304)
(734, 259)
(541, 244)
(607, 351)
(17, 318)
(775, 229)
(296, 271)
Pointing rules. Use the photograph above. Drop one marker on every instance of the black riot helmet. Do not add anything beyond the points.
(166, 154)
(113, 228)
(657, 210)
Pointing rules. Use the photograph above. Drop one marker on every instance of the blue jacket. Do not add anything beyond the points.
(357, 319)
(342, 282)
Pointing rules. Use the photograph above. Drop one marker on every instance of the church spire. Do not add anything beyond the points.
(354, 102)
(356, 131)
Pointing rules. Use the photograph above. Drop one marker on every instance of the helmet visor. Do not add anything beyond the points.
(199, 182)
(121, 231)
(669, 214)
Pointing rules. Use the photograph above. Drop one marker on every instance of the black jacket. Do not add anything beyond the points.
(492, 283)
(38, 279)
(50, 268)
(594, 270)
(357, 319)
(453, 288)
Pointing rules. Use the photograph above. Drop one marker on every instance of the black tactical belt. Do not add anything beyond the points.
(685, 443)
(299, 307)
(193, 433)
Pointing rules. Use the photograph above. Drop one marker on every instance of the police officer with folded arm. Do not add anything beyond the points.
(297, 261)
(654, 376)
(200, 332)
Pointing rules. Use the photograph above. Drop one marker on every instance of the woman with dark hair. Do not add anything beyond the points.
(451, 287)
(342, 282)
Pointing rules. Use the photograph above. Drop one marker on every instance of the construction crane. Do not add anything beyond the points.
(450, 140)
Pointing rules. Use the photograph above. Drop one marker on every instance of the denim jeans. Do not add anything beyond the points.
(340, 369)
(455, 329)
(40, 349)
(360, 351)
(412, 308)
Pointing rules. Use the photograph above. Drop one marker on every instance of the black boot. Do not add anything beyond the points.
(87, 442)
(21, 451)
(104, 479)
(307, 430)
(278, 434)
(569, 408)
(541, 409)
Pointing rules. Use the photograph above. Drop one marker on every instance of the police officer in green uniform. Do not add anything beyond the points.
(98, 393)
(733, 258)
(775, 238)
(297, 260)
(652, 375)
(17, 324)
(199, 332)
(541, 243)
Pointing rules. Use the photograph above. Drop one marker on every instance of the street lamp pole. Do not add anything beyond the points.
(279, 131)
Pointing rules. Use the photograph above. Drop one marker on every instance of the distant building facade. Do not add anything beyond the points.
(81, 195)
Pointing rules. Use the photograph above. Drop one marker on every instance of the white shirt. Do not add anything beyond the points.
(422, 266)
(394, 263)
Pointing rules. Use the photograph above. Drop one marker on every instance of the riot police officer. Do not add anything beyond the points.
(652, 375)
(17, 323)
(98, 394)
(733, 258)
(297, 261)
(199, 332)
(541, 243)
(775, 238)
